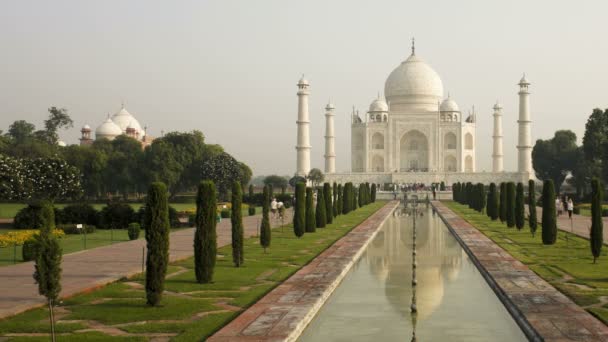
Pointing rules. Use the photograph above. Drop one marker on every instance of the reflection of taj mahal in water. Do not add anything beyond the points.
(415, 134)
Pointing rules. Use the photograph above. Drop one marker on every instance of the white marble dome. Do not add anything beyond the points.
(124, 120)
(414, 81)
(449, 105)
(107, 130)
(378, 105)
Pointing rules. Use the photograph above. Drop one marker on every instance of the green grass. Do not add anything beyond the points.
(182, 311)
(567, 265)
(586, 208)
(9, 210)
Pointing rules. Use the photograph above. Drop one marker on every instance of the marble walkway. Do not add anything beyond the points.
(87, 270)
(542, 312)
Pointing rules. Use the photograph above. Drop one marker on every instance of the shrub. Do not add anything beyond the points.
(251, 210)
(225, 213)
(310, 212)
(532, 221)
(442, 186)
(604, 212)
(510, 204)
(596, 235)
(519, 206)
(205, 236)
(577, 210)
(493, 203)
(236, 220)
(28, 251)
(329, 212)
(156, 223)
(78, 213)
(320, 211)
(70, 229)
(116, 215)
(133, 230)
(265, 232)
(29, 217)
(373, 194)
(299, 216)
(549, 224)
(174, 218)
(340, 204)
(502, 207)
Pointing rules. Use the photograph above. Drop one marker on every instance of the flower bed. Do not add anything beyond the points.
(18, 238)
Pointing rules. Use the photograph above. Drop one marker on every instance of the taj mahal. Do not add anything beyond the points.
(415, 134)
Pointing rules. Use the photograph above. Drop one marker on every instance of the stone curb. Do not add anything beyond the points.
(296, 315)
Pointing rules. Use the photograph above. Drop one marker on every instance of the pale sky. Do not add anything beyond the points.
(230, 68)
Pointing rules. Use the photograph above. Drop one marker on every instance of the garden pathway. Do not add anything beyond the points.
(580, 224)
(87, 270)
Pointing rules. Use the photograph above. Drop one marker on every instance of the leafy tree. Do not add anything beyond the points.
(596, 235)
(310, 212)
(316, 177)
(156, 224)
(265, 232)
(549, 224)
(236, 219)
(91, 163)
(532, 222)
(276, 181)
(251, 193)
(554, 158)
(246, 174)
(502, 213)
(58, 118)
(293, 181)
(47, 266)
(582, 173)
(519, 206)
(510, 204)
(205, 236)
(21, 131)
(299, 215)
(223, 170)
(321, 216)
(595, 142)
(329, 213)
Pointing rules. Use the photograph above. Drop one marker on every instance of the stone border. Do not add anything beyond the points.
(284, 313)
(542, 312)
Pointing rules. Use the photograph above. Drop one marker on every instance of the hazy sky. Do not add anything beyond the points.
(230, 68)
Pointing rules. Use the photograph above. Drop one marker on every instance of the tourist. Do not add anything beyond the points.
(273, 207)
(558, 206)
(565, 203)
(570, 207)
(281, 210)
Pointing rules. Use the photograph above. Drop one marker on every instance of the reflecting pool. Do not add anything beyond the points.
(454, 302)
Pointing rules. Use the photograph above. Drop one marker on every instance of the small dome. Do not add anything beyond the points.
(449, 105)
(497, 106)
(414, 81)
(524, 80)
(86, 128)
(61, 143)
(303, 81)
(378, 105)
(108, 130)
(330, 106)
(124, 119)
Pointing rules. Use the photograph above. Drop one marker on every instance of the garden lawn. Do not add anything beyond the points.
(567, 265)
(586, 208)
(189, 311)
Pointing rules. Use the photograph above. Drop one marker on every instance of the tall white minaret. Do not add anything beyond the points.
(497, 165)
(524, 144)
(330, 140)
(303, 146)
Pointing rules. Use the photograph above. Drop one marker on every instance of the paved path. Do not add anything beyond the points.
(284, 312)
(535, 305)
(86, 270)
(580, 225)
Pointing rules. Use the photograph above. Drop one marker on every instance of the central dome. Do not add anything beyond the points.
(414, 82)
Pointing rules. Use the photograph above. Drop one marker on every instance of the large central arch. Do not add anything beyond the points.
(414, 153)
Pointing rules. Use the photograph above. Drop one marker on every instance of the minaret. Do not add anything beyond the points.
(497, 155)
(524, 144)
(330, 140)
(303, 146)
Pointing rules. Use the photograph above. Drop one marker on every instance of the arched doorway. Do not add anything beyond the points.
(378, 141)
(449, 164)
(468, 141)
(468, 164)
(414, 152)
(449, 141)
(378, 163)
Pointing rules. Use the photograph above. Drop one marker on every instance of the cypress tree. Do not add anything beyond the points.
(482, 196)
(251, 193)
(510, 204)
(519, 206)
(340, 203)
(355, 197)
(361, 196)
(488, 201)
(299, 215)
(596, 236)
(236, 219)
(310, 211)
(47, 265)
(469, 194)
(549, 224)
(205, 236)
(455, 192)
(321, 207)
(335, 200)
(329, 213)
(265, 232)
(493, 203)
(271, 191)
(502, 213)
(347, 201)
(156, 223)
(532, 222)
(373, 193)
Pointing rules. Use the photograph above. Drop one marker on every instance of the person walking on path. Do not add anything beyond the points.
(570, 207)
(273, 207)
(558, 205)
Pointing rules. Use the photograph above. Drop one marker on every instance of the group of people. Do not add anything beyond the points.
(564, 205)
(277, 208)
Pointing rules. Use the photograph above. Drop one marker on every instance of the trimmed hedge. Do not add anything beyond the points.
(134, 230)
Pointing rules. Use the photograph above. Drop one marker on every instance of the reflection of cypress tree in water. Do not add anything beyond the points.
(439, 257)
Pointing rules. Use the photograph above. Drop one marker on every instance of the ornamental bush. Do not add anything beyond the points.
(117, 215)
(310, 212)
(133, 230)
(78, 213)
(532, 222)
(596, 236)
(156, 224)
(340, 204)
(29, 217)
(299, 215)
(502, 206)
(225, 213)
(28, 251)
(519, 206)
(321, 207)
(510, 204)
(265, 232)
(548, 222)
(251, 210)
(236, 220)
(373, 194)
(493, 202)
(329, 213)
(205, 234)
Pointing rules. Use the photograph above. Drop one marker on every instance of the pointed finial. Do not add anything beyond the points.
(413, 46)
